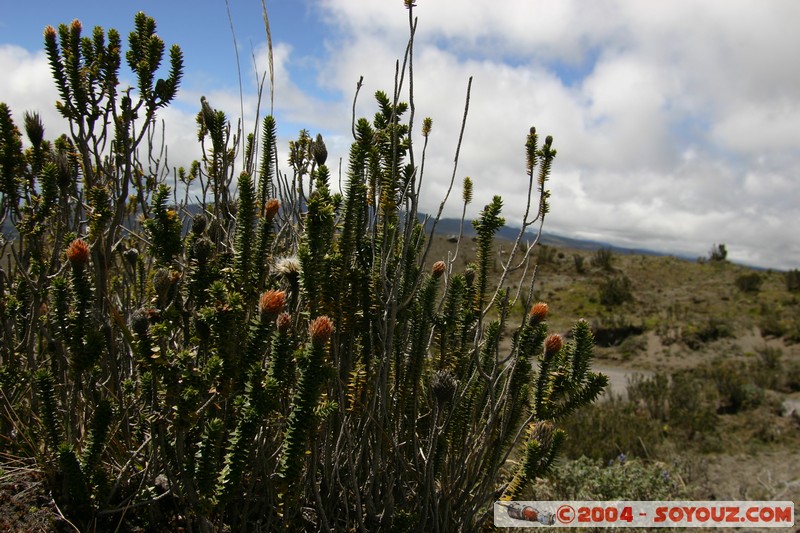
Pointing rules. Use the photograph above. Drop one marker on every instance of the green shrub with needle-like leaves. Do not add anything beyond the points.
(278, 355)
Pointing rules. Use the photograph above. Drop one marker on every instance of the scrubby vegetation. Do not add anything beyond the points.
(279, 355)
(282, 355)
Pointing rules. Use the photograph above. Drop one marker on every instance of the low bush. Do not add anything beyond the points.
(610, 428)
(603, 259)
(578, 261)
(749, 282)
(620, 479)
(792, 279)
(613, 330)
(698, 334)
(735, 384)
(693, 404)
(615, 291)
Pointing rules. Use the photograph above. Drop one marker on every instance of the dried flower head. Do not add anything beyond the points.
(443, 386)
(162, 281)
(438, 269)
(131, 255)
(553, 344)
(288, 266)
(272, 304)
(271, 208)
(539, 312)
(78, 252)
(199, 224)
(320, 329)
(284, 322)
(202, 248)
(140, 322)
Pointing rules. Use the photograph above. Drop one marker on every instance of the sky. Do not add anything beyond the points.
(677, 123)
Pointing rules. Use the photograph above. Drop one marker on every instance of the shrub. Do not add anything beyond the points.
(696, 335)
(613, 330)
(609, 428)
(603, 259)
(718, 253)
(287, 361)
(736, 386)
(692, 406)
(771, 323)
(652, 393)
(615, 291)
(579, 263)
(749, 282)
(620, 479)
(547, 255)
(792, 279)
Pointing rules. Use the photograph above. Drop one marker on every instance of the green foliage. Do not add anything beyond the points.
(486, 226)
(696, 335)
(603, 259)
(616, 291)
(792, 279)
(621, 479)
(749, 282)
(163, 228)
(578, 260)
(718, 253)
(287, 348)
(609, 428)
(11, 159)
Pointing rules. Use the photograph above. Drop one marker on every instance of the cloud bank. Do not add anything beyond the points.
(677, 123)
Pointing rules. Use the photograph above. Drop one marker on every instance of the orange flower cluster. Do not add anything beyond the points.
(78, 252)
(553, 344)
(272, 304)
(284, 322)
(320, 329)
(539, 311)
(271, 208)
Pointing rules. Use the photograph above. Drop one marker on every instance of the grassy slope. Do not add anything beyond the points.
(753, 454)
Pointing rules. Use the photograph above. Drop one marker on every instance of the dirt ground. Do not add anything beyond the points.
(25, 505)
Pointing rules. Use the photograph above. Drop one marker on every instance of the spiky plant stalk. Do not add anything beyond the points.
(45, 385)
(301, 418)
(243, 257)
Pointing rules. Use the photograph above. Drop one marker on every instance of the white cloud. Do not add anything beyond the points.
(27, 87)
(680, 130)
(676, 122)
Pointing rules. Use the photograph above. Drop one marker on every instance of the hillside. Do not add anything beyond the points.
(711, 353)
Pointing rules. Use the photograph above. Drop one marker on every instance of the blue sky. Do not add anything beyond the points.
(677, 122)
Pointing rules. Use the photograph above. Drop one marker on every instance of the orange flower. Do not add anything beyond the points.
(553, 344)
(78, 252)
(272, 303)
(271, 208)
(438, 269)
(539, 311)
(284, 322)
(320, 329)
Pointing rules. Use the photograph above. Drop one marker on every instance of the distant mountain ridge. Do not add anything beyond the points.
(451, 226)
(448, 227)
